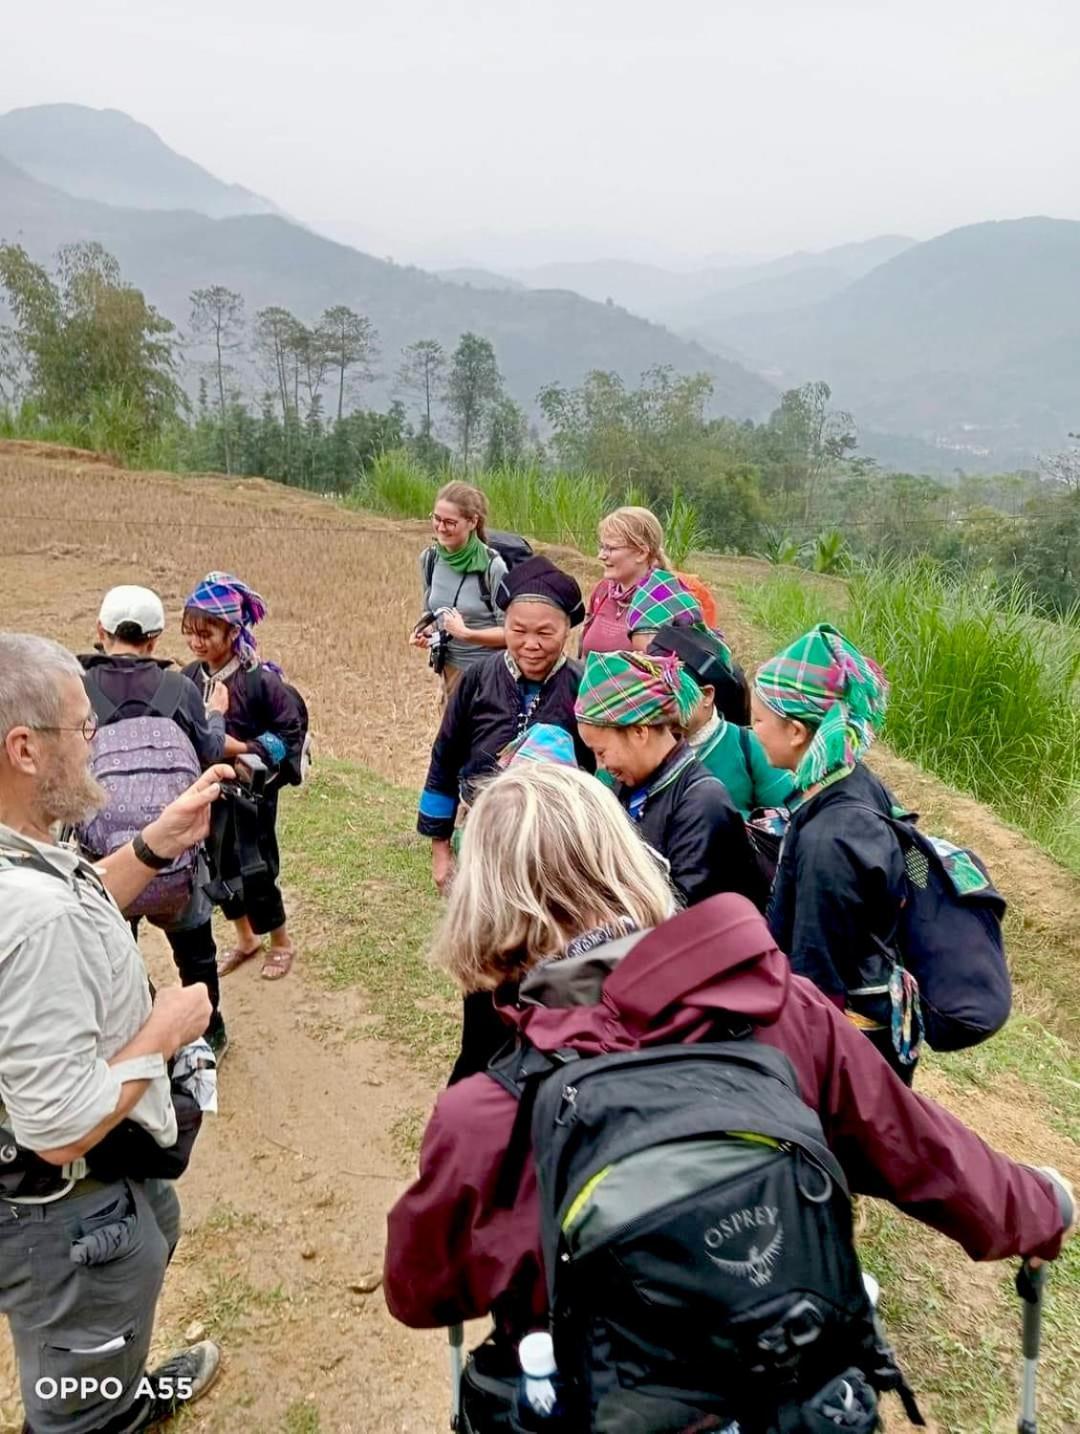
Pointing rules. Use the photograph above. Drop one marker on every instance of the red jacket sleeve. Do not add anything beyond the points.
(450, 1252)
(908, 1149)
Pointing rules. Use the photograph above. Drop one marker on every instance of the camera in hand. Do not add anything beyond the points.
(251, 777)
(437, 638)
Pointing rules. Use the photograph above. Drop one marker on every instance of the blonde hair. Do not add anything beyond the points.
(469, 502)
(547, 854)
(636, 528)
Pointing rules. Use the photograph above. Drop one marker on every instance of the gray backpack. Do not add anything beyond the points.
(144, 763)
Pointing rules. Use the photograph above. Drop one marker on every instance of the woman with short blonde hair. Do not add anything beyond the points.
(637, 529)
(631, 550)
(547, 854)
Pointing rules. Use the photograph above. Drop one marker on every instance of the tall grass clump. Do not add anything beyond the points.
(789, 603)
(682, 530)
(27, 422)
(113, 425)
(552, 507)
(985, 691)
(396, 486)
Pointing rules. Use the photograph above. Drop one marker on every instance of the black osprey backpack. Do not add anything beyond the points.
(697, 1240)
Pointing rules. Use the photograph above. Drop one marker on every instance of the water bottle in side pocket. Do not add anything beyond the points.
(539, 1405)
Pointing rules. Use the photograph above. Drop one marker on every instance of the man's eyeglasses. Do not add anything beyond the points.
(88, 727)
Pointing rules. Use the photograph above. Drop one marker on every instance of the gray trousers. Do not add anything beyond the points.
(79, 1281)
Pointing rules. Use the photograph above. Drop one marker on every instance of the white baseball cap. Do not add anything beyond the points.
(132, 604)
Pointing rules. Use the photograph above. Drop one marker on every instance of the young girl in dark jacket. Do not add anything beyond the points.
(263, 718)
(840, 883)
(631, 711)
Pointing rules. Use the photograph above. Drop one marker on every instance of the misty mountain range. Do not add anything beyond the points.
(696, 297)
(961, 351)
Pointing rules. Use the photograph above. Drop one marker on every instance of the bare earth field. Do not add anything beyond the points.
(285, 1201)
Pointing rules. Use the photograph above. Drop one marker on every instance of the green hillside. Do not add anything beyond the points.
(972, 339)
(539, 337)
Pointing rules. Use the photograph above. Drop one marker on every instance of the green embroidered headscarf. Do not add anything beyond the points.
(635, 689)
(659, 599)
(824, 680)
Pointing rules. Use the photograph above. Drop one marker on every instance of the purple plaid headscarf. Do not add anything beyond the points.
(224, 596)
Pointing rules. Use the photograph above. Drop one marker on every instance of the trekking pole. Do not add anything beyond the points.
(456, 1335)
(1030, 1283)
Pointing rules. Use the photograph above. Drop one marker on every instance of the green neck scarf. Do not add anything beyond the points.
(472, 558)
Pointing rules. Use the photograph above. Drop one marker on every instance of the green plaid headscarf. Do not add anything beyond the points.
(635, 689)
(661, 598)
(823, 678)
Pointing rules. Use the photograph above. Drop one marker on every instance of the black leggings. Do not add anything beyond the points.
(195, 954)
(261, 901)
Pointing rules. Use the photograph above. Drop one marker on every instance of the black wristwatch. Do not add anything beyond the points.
(146, 856)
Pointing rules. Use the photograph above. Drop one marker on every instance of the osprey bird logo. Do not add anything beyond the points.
(759, 1265)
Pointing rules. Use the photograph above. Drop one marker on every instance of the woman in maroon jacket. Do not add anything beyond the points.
(569, 930)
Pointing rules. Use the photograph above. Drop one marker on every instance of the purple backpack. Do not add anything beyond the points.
(143, 763)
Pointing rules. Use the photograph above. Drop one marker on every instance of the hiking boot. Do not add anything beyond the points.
(217, 1037)
(181, 1380)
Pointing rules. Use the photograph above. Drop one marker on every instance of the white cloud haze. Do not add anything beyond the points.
(511, 132)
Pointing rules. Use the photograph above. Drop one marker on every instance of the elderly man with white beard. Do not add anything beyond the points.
(83, 1061)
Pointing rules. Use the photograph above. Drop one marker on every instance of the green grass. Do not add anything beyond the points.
(984, 689)
(963, 1353)
(552, 507)
(112, 426)
(301, 1417)
(353, 851)
(230, 1301)
(1046, 1064)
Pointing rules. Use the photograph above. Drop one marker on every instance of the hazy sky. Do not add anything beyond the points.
(503, 130)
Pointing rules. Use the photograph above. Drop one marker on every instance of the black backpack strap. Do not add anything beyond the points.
(253, 676)
(105, 709)
(232, 848)
(168, 695)
(484, 579)
(899, 824)
(521, 1071)
(249, 857)
(430, 559)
